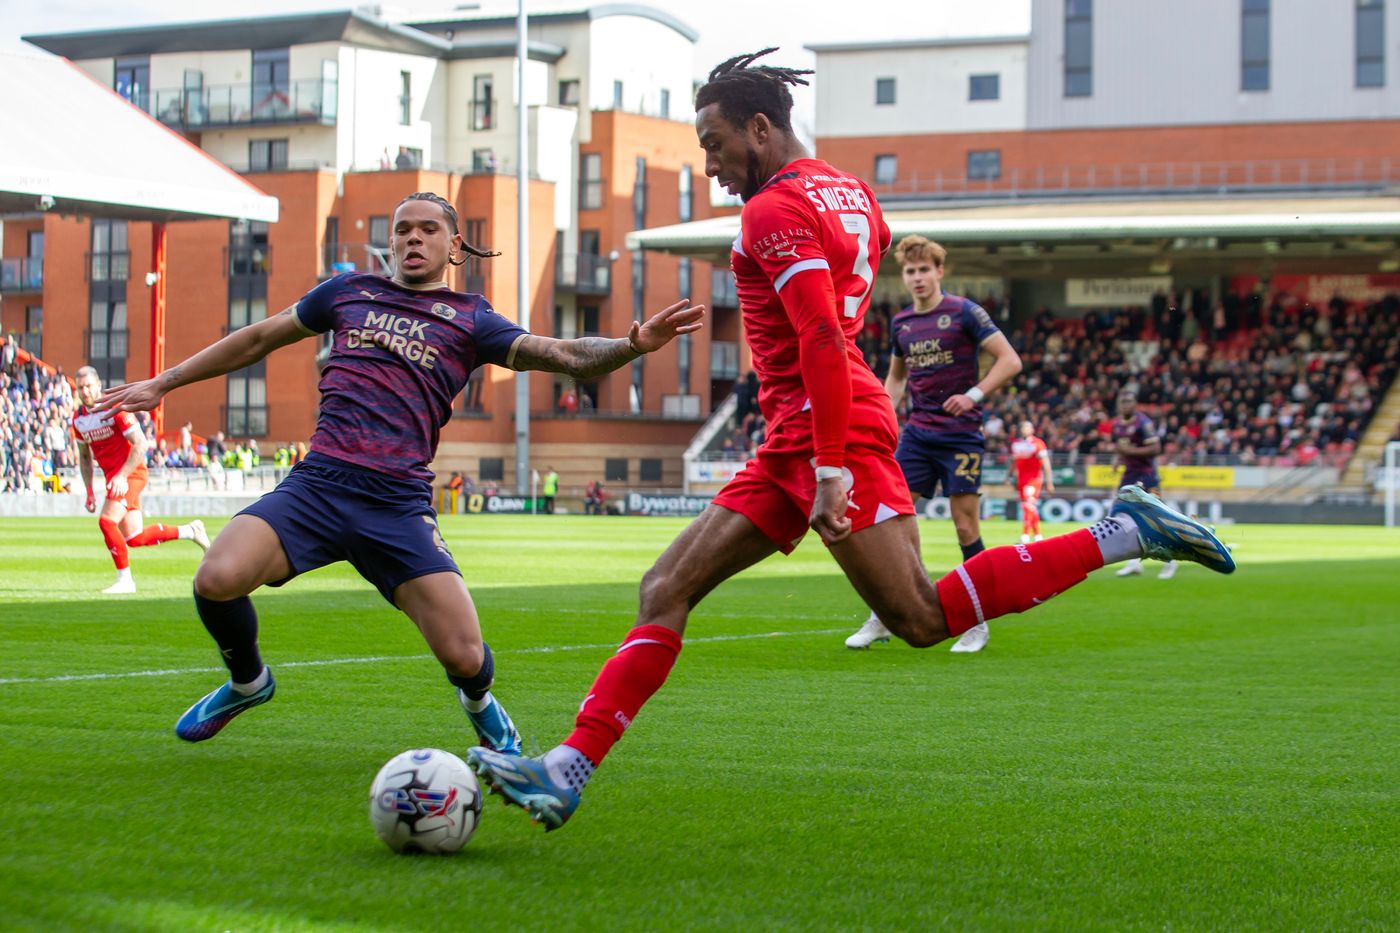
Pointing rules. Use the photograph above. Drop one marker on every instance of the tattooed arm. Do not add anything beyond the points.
(588, 357)
(241, 348)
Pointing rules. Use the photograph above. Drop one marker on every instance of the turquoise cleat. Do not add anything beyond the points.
(1166, 534)
(526, 783)
(493, 726)
(216, 710)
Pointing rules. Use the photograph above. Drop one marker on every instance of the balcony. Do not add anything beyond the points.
(355, 257)
(22, 274)
(583, 274)
(224, 105)
(723, 291)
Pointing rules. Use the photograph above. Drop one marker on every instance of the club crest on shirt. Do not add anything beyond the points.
(446, 312)
(944, 322)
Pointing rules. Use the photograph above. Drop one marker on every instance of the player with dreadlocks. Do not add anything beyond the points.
(805, 259)
(403, 348)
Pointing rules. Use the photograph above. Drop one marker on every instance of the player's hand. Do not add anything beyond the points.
(1049, 489)
(828, 517)
(91, 504)
(1123, 445)
(116, 487)
(958, 404)
(134, 396)
(680, 318)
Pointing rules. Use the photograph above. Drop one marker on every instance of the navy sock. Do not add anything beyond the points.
(477, 685)
(972, 550)
(234, 626)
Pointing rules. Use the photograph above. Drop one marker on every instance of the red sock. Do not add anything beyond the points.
(116, 544)
(153, 535)
(1014, 578)
(626, 682)
(1033, 515)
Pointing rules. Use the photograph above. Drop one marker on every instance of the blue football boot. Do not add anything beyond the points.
(526, 783)
(493, 726)
(216, 710)
(1168, 535)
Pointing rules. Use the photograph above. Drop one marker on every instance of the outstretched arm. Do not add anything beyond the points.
(241, 348)
(589, 357)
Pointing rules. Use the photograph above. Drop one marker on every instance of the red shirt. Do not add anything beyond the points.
(1026, 453)
(810, 216)
(105, 435)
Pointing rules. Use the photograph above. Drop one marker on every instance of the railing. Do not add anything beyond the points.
(248, 260)
(1251, 175)
(108, 267)
(483, 114)
(244, 420)
(309, 101)
(22, 274)
(585, 274)
(724, 292)
(356, 257)
(724, 359)
(105, 344)
(294, 165)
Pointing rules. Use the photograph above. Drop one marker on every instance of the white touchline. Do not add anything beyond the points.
(328, 662)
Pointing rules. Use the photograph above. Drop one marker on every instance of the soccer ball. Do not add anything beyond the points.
(425, 800)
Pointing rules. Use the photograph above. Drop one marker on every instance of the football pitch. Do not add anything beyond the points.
(1214, 753)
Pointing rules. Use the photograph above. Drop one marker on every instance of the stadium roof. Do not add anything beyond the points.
(482, 19)
(1240, 227)
(102, 157)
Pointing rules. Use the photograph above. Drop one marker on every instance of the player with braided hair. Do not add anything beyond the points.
(403, 349)
(811, 238)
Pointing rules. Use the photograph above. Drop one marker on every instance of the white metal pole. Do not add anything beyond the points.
(522, 249)
(1391, 478)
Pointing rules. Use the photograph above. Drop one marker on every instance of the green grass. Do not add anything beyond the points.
(1210, 753)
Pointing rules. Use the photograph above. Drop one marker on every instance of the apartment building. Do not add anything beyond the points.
(340, 115)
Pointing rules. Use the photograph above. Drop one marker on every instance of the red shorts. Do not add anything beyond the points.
(134, 484)
(775, 489)
(1031, 489)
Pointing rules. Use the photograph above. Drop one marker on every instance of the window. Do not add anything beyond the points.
(683, 275)
(492, 468)
(249, 264)
(983, 164)
(33, 337)
(984, 87)
(271, 84)
(885, 169)
(617, 95)
(106, 337)
(884, 90)
(330, 248)
(1079, 48)
(474, 232)
(1370, 43)
(246, 411)
(379, 231)
(615, 470)
(639, 195)
(1254, 45)
(649, 470)
(484, 160)
(405, 98)
(132, 80)
(639, 313)
(666, 103)
(590, 182)
(267, 155)
(687, 195)
(483, 102)
(568, 93)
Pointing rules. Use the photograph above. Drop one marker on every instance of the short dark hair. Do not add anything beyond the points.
(743, 89)
(451, 213)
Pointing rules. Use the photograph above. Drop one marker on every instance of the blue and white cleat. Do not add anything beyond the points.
(526, 783)
(216, 710)
(493, 726)
(1168, 535)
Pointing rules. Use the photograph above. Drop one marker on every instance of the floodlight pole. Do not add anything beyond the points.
(158, 246)
(522, 250)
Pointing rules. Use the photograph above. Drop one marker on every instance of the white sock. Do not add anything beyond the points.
(873, 618)
(258, 683)
(569, 766)
(476, 706)
(124, 575)
(186, 532)
(1117, 537)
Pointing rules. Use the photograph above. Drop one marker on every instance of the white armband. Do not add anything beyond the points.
(975, 394)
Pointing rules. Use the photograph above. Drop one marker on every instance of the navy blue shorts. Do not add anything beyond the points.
(931, 462)
(1147, 479)
(327, 510)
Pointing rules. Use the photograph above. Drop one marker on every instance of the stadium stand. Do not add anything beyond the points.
(36, 410)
